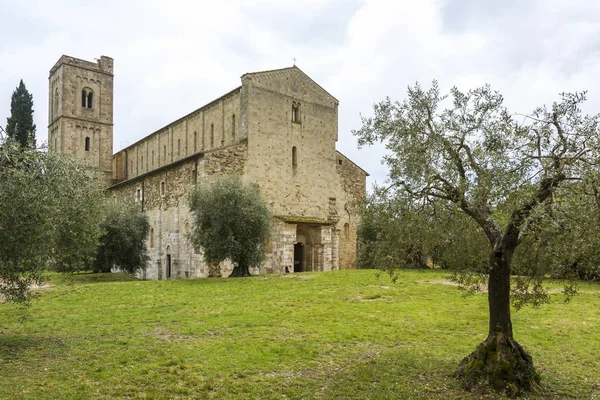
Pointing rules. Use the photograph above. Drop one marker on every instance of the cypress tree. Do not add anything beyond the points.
(19, 125)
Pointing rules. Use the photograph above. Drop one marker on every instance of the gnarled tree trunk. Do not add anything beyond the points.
(214, 270)
(499, 361)
(240, 271)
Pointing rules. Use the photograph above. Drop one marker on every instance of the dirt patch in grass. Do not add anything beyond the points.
(368, 298)
(289, 276)
(438, 282)
(553, 290)
(164, 335)
(325, 371)
(33, 288)
(299, 276)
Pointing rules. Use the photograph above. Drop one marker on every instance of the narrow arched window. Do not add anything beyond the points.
(195, 173)
(151, 238)
(55, 103)
(296, 113)
(212, 135)
(233, 128)
(90, 99)
(87, 143)
(346, 230)
(165, 154)
(294, 158)
(83, 98)
(195, 141)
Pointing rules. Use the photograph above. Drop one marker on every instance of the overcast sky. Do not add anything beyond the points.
(172, 57)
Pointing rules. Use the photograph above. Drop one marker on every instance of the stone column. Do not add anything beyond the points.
(289, 237)
(335, 249)
(327, 247)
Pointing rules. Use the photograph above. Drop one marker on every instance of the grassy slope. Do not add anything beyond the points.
(345, 335)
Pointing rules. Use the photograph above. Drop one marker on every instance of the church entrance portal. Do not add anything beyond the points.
(298, 257)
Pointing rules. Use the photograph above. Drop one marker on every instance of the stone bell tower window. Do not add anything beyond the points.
(55, 111)
(87, 98)
(87, 143)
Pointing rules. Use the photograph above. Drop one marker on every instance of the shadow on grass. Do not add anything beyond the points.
(14, 348)
(405, 374)
(88, 277)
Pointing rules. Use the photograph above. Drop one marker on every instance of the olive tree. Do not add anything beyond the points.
(396, 232)
(123, 242)
(467, 152)
(50, 211)
(565, 241)
(387, 238)
(231, 221)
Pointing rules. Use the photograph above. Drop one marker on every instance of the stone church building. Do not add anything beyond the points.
(277, 129)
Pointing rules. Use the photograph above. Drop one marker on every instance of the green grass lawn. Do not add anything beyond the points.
(335, 335)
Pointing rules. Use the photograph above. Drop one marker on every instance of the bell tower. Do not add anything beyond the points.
(80, 111)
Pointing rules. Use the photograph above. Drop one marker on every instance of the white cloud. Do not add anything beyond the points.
(173, 57)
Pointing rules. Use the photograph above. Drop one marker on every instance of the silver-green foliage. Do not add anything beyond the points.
(231, 221)
(50, 211)
(123, 242)
(398, 233)
(565, 240)
(462, 161)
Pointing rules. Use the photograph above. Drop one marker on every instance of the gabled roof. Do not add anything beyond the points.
(355, 164)
(294, 68)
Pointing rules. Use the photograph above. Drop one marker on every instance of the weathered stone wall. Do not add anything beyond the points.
(168, 210)
(215, 125)
(353, 181)
(302, 189)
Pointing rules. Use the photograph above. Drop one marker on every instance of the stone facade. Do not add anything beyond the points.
(80, 111)
(278, 129)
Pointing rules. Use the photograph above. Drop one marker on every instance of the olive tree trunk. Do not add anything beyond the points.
(499, 361)
(240, 271)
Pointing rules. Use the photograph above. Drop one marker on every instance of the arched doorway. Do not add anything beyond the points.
(298, 257)
(304, 248)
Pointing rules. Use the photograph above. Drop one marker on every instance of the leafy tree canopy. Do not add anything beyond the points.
(231, 221)
(49, 216)
(465, 153)
(123, 244)
(19, 125)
